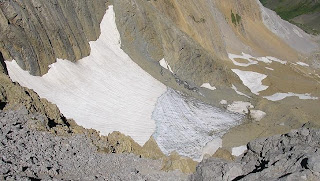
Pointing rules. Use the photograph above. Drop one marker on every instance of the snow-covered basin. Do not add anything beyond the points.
(187, 125)
(106, 91)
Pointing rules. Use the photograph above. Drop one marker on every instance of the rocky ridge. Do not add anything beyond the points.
(291, 156)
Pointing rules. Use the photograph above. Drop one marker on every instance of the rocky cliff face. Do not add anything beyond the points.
(35, 33)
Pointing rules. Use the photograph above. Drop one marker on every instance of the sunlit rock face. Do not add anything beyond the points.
(36, 33)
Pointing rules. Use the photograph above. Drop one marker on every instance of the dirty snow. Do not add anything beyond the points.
(303, 64)
(257, 115)
(252, 80)
(276, 60)
(280, 96)
(269, 68)
(240, 107)
(186, 125)
(264, 59)
(237, 151)
(208, 86)
(244, 56)
(238, 92)
(252, 60)
(106, 91)
(223, 102)
(165, 65)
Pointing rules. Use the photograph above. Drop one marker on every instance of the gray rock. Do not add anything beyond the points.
(36, 32)
(292, 156)
(28, 154)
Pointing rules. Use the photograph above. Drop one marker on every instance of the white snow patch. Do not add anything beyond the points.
(211, 147)
(249, 58)
(223, 102)
(257, 115)
(237, 151)
(106, 91)
(276, 60)
(238, 92)
(252, 80)
(240, 107)
(208, 86)
(186, 125)
(269, 68)
(303, 64)
(264, 59)
(165, 65)
(244, 56)
(280, 96)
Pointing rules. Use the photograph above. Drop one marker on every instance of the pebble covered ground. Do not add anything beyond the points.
(29, 154)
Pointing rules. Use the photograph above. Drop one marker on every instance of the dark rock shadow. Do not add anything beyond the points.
(3, 64)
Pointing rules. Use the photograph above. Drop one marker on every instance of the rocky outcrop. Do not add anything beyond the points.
(35, 33)
(291, 156)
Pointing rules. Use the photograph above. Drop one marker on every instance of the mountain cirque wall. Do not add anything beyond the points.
(195, 37)
(35, 33)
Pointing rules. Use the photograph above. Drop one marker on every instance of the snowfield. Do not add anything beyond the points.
(188, 126)
(252, 80)
(106, 91)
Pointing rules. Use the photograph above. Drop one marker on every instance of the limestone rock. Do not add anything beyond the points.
(291, 156)
(28, 154)
(36, 32)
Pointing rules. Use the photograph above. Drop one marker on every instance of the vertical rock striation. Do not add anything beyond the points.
(36, 32)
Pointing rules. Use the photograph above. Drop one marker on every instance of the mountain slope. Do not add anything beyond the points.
(222, 72)
(303, 13)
